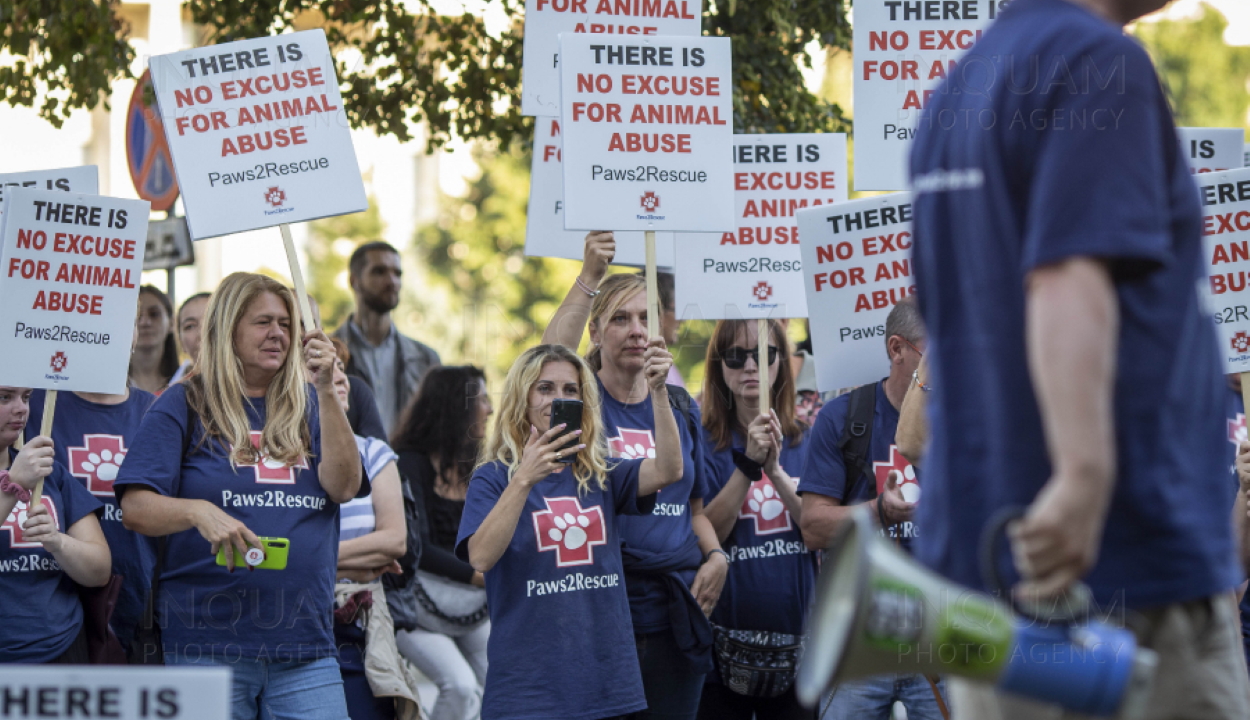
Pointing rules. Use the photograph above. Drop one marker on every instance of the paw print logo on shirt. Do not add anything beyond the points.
(569, 530)
(763, 506)
(272, 472)
(1237, 429)
(97, 462)
(632, 444)
(907, 482)
(17, 518)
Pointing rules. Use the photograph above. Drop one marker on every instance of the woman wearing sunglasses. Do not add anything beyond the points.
(674, 566)
(755, 461)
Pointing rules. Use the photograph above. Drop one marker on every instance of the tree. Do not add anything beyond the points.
(64, 54)
(1205, 77)
(330, 244)
(402, 62)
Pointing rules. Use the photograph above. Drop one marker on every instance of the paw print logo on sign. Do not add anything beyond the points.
(763, 505)
(17, 518)
(275, 196)
(649, 201)
(907, 482)
(762, 291)
(59, 361)
(272, 472)
(570, 530)
(632, 444)
(97, 462)
(1240, 342)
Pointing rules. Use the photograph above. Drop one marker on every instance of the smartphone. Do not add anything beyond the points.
(271, 555)
(568, 412)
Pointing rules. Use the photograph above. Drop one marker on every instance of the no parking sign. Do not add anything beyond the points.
(147, 153)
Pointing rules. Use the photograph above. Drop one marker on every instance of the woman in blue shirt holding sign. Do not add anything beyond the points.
(239, 451)
(540, 521)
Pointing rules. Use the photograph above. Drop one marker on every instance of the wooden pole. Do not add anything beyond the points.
(653, 289)
(765, 385)
(45, 429)
(1245, 394)
(297, 277)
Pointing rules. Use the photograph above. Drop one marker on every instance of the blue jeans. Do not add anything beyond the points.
(672, 684)
(281, 690)
(873, 698)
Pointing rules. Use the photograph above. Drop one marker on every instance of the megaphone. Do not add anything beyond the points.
(877, 611)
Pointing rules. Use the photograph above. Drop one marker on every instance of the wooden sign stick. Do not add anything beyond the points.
(1245, 392)
(45, 429)
(653, 288)
(297, 277)
(762, 363)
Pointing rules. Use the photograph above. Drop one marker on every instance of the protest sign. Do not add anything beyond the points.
(1247, 154)
(81, 179)
(546, 19)
(69, 289)
(1213, 149)
(138, 693)
(754, 271)
(856, 266)
(903, 49)
(258, 133)
(545, 235)
(647, 124)
(1226, 244)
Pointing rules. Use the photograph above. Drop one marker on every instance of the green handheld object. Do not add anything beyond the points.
(271, 555)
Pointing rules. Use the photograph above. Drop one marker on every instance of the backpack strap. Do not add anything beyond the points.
(856, 441)
(680, 399)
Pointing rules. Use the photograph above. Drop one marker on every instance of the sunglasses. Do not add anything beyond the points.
(735, 358)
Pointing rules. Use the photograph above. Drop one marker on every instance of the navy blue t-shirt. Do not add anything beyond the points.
(630, 428)
(42, 612)
(825, 469)
(282, 615)
(92, 440)
(561, 644)
(1105, 178)
(772, 574)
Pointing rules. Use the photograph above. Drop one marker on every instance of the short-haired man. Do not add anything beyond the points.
(393, 364)
(1074, 371)
(852, 460)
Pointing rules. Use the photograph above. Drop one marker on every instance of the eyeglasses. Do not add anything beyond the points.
(913, 347)
(735, 358)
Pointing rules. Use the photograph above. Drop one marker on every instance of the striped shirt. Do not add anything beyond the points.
(356, 516)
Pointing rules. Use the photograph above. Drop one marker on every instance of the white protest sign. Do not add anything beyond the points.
(81, 179)
(903, 49)
(754, 271)
(257, 133)
(135, 693)
(69, 289)
(1213, 149)
(647, 124)
(545, 235)
(1226, 244)
(546, 19)
(856, 266)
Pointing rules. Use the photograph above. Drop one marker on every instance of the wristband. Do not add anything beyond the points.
(751, 469)
(586, 288)
(915, 377)
(715, 551)
(9, 487)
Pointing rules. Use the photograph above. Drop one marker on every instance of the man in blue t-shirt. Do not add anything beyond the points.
(1074, 371)
(853, 460)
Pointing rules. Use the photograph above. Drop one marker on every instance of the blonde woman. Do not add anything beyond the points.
(674, 565)
(242, 448)
(546, 535)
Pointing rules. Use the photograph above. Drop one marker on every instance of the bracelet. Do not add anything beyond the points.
(751, 469)
(915, 377)
(712, 552)
(585, 288)
(9, 487)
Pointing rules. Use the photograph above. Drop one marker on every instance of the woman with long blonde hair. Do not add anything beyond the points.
(674, 565)
(244, 450)
(540, 522)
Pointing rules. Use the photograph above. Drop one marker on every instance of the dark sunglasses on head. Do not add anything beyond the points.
(735, 358)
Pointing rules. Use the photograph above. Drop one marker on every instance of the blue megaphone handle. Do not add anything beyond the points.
(1084, 669)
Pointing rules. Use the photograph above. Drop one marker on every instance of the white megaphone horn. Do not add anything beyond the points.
(877, 611)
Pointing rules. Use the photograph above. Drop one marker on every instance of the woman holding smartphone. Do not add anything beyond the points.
(541, 523)
(674, 565)
(242, 448)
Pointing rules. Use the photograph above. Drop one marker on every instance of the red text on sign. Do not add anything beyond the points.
(649, 142)
(1229, 222)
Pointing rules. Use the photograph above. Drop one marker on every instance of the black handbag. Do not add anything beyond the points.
(756, 663)
(103, 647)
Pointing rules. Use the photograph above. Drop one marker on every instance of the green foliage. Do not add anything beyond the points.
(1206, 78)
(330, 244)
(64, 54)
